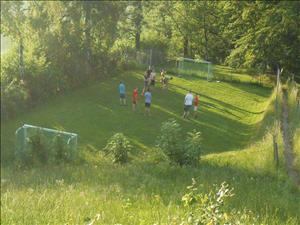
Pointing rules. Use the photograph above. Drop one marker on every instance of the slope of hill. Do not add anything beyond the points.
(148, 190)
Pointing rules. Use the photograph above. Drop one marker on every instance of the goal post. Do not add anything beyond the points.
(25, 133)
(200, 68)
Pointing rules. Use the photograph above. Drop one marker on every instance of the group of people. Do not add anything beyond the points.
(146, 93)
(150, 78)
(149, 81)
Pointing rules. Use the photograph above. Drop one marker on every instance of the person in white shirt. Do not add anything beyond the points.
(188, 104)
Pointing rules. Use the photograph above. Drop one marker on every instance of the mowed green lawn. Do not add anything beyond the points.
(148, 190)
(228, 115)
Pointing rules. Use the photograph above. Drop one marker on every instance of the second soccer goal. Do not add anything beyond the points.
(195, 67)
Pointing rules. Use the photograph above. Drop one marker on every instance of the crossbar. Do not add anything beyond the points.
(46, 129)
(195, 60)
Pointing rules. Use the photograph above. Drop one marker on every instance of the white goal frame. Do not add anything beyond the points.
(209, 65)
(21, 133)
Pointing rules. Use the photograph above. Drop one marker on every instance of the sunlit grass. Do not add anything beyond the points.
(148, 190)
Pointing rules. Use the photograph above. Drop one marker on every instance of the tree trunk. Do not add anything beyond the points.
(21, 58)
(205, 38)
(87, 9)
(138, 24)
(137, 40)
(185, 47)
(192, 51)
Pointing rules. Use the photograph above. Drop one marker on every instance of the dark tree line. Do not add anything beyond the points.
(59, 45)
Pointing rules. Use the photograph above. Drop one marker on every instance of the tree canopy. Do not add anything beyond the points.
(62, 44)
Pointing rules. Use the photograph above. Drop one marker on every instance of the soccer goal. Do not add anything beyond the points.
(49, 137)
(200, 68)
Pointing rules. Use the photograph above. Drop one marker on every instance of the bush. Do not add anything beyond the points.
(38, 151)
(210, 208)
(61, 152)
(192, 148)
(179, 152)
(170, 143)
(14, 97)
(118, 147)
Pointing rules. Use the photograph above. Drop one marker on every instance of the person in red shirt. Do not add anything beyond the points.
(196, 104)
(134, 98)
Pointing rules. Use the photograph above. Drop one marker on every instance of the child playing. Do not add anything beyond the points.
(134, 98)
(122, 92)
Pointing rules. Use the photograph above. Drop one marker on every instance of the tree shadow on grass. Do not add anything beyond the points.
(219, 132)
(227, 105)
(98, 117)
(253, 89)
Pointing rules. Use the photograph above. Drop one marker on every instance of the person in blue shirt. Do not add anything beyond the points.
(122, 92)
(148, 99)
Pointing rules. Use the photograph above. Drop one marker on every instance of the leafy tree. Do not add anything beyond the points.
(268, 36)
(13, 24)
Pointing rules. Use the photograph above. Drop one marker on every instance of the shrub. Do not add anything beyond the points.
(13, 98)
(38, 151)
(180, 152)
(210, 208)
(192, 147)
(118, 147)
(170, 143)
(61, 152)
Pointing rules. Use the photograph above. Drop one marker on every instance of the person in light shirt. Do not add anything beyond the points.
(188, 104)
(122, 92)
(148, 99)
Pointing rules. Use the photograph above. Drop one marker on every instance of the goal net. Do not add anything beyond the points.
(48, 137)
(200, 68)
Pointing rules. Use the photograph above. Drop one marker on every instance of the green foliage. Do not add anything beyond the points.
(58, 53)
(211, 208)
(193, 147)
(267, 35)
(296, 147)
(118, 147)
(180, 152)
(293, 91)
(13, 98)
(170, 141)
(60, 150)
(230, 113)
(62, 45)
(38, 149)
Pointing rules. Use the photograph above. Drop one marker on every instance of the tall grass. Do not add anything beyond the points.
(258, 157)
(294, 120)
